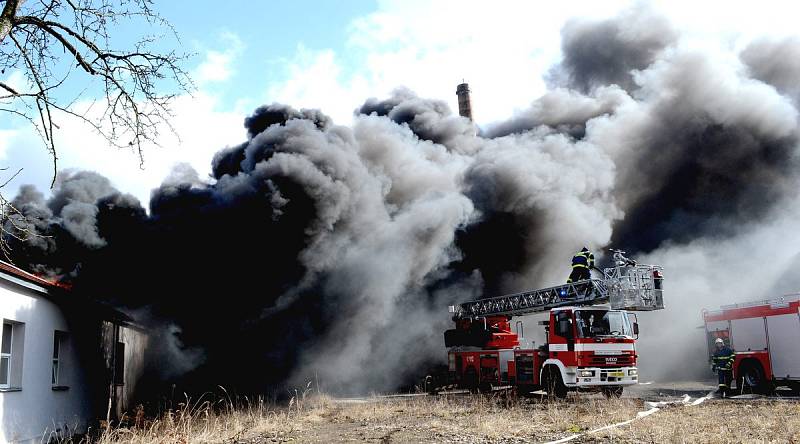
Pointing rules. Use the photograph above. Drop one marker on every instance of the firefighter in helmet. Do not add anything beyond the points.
(582, 262)
(723, 364)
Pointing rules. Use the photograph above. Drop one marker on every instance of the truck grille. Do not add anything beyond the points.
(611, 361)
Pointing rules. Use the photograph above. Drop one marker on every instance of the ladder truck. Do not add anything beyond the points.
(591, 335)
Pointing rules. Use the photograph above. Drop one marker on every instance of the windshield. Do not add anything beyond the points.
(592, 323)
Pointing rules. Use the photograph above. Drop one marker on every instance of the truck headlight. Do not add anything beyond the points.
(586, 373)
(633, 372)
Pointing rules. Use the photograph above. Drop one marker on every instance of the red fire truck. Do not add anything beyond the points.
(588, 346)
(764, 336)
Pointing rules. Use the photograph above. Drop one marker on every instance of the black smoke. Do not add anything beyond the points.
(330, 253)
(601, 53)
(711, 157)
(429, 119)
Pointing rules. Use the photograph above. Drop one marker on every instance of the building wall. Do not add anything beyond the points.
(36, 410)
(134, 364)
(136, 342)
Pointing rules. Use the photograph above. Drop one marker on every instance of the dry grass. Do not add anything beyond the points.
(207, 423)
(320, 419)
(715, 422)
(482, 419)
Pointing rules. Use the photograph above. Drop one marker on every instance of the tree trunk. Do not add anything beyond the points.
(7, 17)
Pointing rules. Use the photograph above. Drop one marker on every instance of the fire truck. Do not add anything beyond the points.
(590, 334)
(764, 336)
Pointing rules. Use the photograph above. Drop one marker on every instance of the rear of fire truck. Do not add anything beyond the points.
(763, 335)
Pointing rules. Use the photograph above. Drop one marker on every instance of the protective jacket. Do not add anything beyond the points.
(723, 358)
(582, 262)
(583, 259)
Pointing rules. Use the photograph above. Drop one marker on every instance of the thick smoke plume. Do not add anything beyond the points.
(600, 53)
(330, 253)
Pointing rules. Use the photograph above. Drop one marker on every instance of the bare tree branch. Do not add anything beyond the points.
(50, 28)
(10, 178)
(53, 44)
(132, 80)
(43, 105)
(9, 89)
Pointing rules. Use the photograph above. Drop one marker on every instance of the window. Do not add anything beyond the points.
(593, 323)
(11, 345)
(5, 355)
(563, 325)
(59, 349)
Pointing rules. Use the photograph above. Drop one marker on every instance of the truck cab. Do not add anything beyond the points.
(591, 347)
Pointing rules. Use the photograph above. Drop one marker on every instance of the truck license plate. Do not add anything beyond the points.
(616, 374)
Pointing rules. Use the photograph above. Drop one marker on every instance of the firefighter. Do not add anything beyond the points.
(582, 262)
(723, 364)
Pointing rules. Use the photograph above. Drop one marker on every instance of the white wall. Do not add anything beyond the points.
(37, 410)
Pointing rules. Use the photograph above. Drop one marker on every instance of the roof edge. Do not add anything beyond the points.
(30, 278)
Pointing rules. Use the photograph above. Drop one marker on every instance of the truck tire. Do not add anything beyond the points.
(752, 376)
(429, 385)
(554, 384)
(613, 391)
(486, 386)
(470, 380)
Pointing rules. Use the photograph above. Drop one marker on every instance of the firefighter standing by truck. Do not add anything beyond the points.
(723, 364)
(582, 262)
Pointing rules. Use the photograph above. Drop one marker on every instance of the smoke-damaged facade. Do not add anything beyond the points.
(66, 364)
(330, 253)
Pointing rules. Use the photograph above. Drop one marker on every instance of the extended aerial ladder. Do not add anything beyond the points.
(625, 286)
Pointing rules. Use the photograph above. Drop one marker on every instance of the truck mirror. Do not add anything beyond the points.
(636, 328)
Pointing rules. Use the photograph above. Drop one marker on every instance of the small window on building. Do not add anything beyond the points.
(119, 364)
(5, 355)
(11, 347)
(59, 354)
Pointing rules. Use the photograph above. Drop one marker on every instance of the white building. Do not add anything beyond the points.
(59, 367)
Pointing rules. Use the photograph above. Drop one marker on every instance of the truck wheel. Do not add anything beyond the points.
(613, 392)
(554, 385)
(430, 386)
(752, 375)
(486, 386)
(471, 380)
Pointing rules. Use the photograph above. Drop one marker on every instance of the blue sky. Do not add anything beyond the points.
(333, 55)
(255, 43)
(270, 32)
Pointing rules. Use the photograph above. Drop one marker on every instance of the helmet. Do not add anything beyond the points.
(719, 341)
(584, 249)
